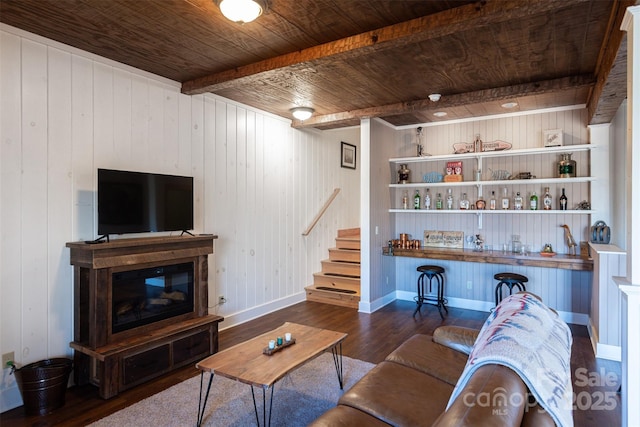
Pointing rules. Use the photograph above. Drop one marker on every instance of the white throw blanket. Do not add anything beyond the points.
(526, 336)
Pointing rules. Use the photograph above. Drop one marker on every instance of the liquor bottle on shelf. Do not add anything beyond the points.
(427, 200)
(533, 202)
(416, 200)
(517, 202)
(563, 201)
(492, 201)
(464, 202)
(405, 199)
(546, 200)
(449, 199)
(505, 199)
(439, 202)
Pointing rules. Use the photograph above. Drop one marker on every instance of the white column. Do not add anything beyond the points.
(630, 285)
(601, 195)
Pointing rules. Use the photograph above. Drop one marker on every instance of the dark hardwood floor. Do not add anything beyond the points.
(371, 338)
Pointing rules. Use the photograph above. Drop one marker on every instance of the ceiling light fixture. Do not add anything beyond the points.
(509, 105)
(302, 113)
(435, 97)
(439, 114)
(241, 11)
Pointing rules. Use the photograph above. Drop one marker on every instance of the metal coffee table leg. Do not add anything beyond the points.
(336, 352)
(201, 406)
(264, 407)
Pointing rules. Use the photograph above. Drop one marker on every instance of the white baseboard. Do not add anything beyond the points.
(370, 307)
(603, 351)
(240, 317)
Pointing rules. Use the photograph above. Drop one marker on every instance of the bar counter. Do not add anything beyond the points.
(534, 259)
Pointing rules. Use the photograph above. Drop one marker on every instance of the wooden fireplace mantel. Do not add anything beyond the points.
(117, 361)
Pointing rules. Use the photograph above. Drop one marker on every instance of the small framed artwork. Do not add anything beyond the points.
(553, 138)
(348, 156)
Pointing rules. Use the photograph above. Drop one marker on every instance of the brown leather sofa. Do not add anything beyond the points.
(412, 386)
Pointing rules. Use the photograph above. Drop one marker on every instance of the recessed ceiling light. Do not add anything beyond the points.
(439, 114)
(435, 97)
(509, 105)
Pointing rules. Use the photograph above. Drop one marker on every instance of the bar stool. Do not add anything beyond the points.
(431, 272)
(511, 280)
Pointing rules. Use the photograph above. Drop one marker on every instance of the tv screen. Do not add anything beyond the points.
(138, 202)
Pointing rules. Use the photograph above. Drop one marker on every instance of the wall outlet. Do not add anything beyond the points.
(221, 299)
(6, 358)
(469, 284)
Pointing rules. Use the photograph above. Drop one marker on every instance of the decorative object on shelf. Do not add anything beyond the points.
(419, 145)
(432, 177)
(443, 239)
(404, 174)
(479, 242)
(499, 175)
(566, 166)
(470, 147)
(571, 243)
(453, 172)
(583, 206)
(348, 156)
(547, 250)
(522, 175)
(477, 144)
(553, 138)
(600, 233)
(283, 344)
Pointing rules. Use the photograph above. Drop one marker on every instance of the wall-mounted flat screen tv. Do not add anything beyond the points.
(138, 202)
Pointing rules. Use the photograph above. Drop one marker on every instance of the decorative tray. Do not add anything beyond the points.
(548, 254)
(269, 351)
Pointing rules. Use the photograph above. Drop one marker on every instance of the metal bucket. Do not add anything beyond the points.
(43, 384)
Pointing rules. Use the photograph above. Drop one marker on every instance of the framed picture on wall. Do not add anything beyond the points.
(348, 156)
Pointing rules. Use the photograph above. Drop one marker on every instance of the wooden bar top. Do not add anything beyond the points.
(563, 261)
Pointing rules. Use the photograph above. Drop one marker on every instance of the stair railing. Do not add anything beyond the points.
(322, 211)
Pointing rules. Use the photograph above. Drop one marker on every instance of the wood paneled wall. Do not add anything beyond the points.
(258, 184)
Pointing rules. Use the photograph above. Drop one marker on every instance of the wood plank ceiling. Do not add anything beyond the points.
(350, 59)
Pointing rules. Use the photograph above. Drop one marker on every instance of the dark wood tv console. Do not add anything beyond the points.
(116, 361)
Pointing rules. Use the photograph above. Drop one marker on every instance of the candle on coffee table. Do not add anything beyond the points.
(287, 336)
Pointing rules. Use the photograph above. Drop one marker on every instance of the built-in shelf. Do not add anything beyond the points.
(491, 212)
(522, 152)
(498, 183)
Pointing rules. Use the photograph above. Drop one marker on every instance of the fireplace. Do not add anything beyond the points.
(140, 309)
(144, 296)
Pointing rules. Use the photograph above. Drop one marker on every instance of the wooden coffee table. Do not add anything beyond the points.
(246, 362)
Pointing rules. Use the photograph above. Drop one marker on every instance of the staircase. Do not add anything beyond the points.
(339, 281)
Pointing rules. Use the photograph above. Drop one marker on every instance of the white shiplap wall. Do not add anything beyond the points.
(65, 113)
(566, 291)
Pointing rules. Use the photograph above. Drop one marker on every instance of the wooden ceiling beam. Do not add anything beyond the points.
(480, 14)
(611, 69)
(451, 101)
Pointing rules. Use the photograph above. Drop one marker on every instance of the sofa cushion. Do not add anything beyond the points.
(494, 395)
(399, 395)
(346, 416)
(421, 353)
(456, 337)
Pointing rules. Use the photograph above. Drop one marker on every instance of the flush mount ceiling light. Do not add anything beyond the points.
(241, 11)
(302, 113)
(509, 105)
(435, 97)
(439, 114)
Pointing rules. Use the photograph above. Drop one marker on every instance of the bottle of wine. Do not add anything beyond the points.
(517, 202)
(416, 200)
(533, 201)
(505, 199)
(427, 200)
(546, 200)
(492, 201)
(439, 202)
(563, 201)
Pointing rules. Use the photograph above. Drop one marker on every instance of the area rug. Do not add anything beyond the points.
(299, 398)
